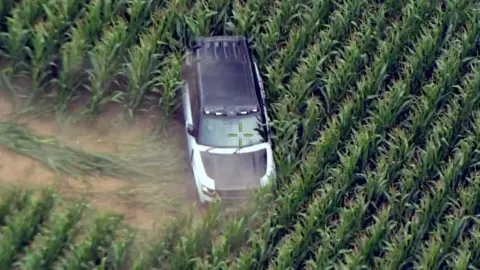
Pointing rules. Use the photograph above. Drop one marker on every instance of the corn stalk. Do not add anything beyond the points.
(140, 13)
(87, 252)
(156, 254)
(466, 253)
(54, 239)
(115, 255)
(291, 198)
(168, 83)
(197, 241)
(73, 53)
(341, 23)
(46, 41)
(141, 70)
(5, 9)
(397, 150)
(22, 228)
(14, 200)
(223, 12)
(286, 13)
(248, 17)
(288, 110)
(342, 177)
(434, 252)
(402, 244)
(105, 58)
(434, 94)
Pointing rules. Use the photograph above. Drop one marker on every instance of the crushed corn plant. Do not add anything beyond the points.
(376, 114)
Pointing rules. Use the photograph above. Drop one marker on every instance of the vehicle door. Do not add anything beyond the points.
(191, 112)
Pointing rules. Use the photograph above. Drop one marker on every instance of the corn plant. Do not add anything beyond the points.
(469, 198)
(340, 26)
(434, 94)
(434, 203)
(429, 211)
(168, 84)
(14, 200)
(105, 58)
(14, 41)
(354, 57)
(141, 70)
(85, 254)
(140, 13)
(116, 255)
(475, 259)
(199, 22)
(207, 18)
(286, 13)
(433, 253)
(292, 196)
(173, 23)
(99, 14)
(466, 252)
(72, 57)
(21, 228)
(367, 243)
(184, 20)
(156, 255)
(333, 237)
(41, 57)
(5, 9)
(441, 122)
(73, 53)
(54, 239)
(223, 11)
(400, 150)
(248, 17)
(366, 140)
(197, 241)
(461, 258)
(305, 78)
(19, 32)
(46, 40)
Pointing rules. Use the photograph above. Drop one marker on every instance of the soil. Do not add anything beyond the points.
(145, 203)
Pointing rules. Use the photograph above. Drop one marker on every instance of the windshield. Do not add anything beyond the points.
(222, 132)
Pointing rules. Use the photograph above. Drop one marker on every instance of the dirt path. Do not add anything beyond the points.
(143, 203)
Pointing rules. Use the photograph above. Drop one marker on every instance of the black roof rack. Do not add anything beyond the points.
(221, 48)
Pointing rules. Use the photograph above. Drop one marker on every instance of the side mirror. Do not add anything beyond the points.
(190, 129)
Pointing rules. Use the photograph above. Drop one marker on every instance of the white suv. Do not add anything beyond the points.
(226, 121)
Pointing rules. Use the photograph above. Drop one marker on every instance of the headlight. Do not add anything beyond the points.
(208, 190)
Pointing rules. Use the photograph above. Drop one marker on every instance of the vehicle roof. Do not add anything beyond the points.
(225, 74)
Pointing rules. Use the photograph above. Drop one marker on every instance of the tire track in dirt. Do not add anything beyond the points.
(143, 203)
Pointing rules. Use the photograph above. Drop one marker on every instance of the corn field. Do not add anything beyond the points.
(376, 114)
(41, 231)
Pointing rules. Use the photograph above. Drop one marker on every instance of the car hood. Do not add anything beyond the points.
(235, 171)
